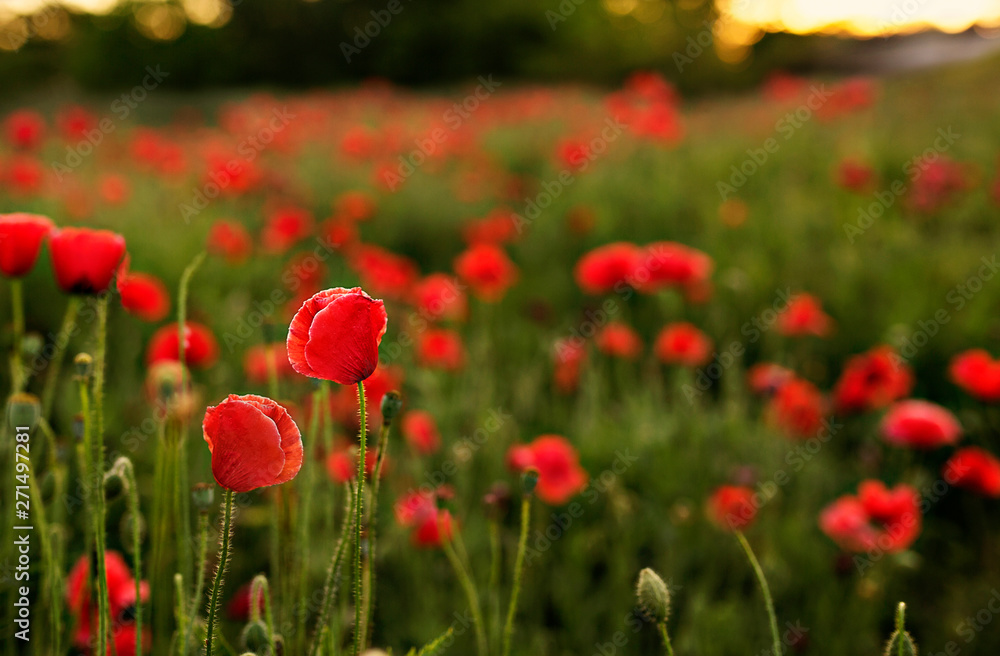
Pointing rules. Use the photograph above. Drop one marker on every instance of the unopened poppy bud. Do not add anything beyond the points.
(84, 365)
(23, 411)
(391, 404)
(32, 345)
(203, 497)
(254, 638)
(529, 480)
(114, 485)
(654, 596)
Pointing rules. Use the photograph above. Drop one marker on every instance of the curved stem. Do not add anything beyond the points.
(259, 589)
(522, 545)
(220, 573)
(666, 639)
(468, 587)
(359, 520)
(332, 578)
(765, 590)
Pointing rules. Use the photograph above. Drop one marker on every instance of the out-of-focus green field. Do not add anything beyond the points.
(654, 455)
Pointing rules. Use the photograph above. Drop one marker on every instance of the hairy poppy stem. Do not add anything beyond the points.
(383, 443)
(97, 463)
(765, 590)
(55, 363)
(359, 520)
(260, 590)
(522, 545)
(17, 307)
(220, 572)
(496, 555)
(471, 594)
(666, 639)
(124, 465)
(199, 586)
(332, 583)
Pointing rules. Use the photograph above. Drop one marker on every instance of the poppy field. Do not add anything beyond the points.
(503, 369)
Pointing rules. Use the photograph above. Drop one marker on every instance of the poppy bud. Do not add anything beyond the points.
(653, 595)
(84, 365)
(203, 497)
(23, 411)
(529, 480)
(254, 638)
(31, 345)
(391, 404)
(114, 485)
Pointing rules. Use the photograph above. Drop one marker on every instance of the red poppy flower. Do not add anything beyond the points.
(342, 463)
(229, 240)
(976, 372)
(421, 432)
(798, 409)
(339, 233)
(239, 606)
(560, 476)
(439, 348)
(142, 294)
(487, 269)
(284, 228)
(121, 596)
(200, 348)
(496, 227)
(85, 260)
(766, 378)
(419, 511)
(804, 316)
(855, 176)
(871, 381)
(732, 507)
(877, 519)
(259, 360)
(920, 425)
(682, 343)
(440, 297)
(335, 335)
(385, 273)
(75, 122)
(254, 443)
(975, 469)
(354, 206)
(114, 189)
(21, 237)
(570, 355)
(619, 340)
(667, 264)
(25, 129)
(608, 268)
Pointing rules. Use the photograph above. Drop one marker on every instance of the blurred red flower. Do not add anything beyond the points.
(569, 355)
(855, 176)
(261, 358)
(976, 372)
(804, 316)
(975, 469)
(419, 511)
(560, 476)
(920, 425)
(619, 340)
(114, 189)
(798, 408)
(253, 441)
(439, 348)
(354, 206)
(682, 343)
(21, 237)
(84, 260)
(75, 123)
(335, 335)
(143, 295)
(229, 240)
(497, 227)
(608, 268)
(342, 463)
(24, 129)
(876, 519)
(766, 378)
(385, 273)
(285, 227)
(732, 507)
(121, 598)
(487, 269)
(440, 297)
(200, 348)
(872, 380)
(667, 264)
(421, 432)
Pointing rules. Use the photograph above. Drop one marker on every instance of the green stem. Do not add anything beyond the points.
(320, 397)
(495, 560)
(471, 594)
(128, 473)
(49, 563)
(182, 295)
(383, 444)
(522, 545)
(180, 615)
(666, 639)
(258, 588)
(220, 573)
(765, 590)
(104, 605)
(332, 582)
(199, 586)
(359, 520)
(17, 303)
(55, 364)
(182, 495)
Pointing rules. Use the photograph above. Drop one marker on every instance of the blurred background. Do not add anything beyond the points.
(700, 44)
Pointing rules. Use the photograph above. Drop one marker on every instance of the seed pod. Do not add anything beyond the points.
(84, 365)
(203, 497)
(23, 410)
(529, 481)
(254, 638)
